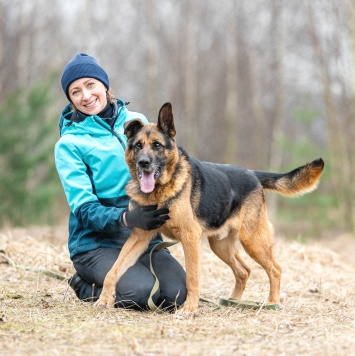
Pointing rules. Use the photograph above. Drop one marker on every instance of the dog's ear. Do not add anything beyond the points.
(166, 120)
(132, 126)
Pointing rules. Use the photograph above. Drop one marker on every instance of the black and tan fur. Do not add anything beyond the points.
(222, 202)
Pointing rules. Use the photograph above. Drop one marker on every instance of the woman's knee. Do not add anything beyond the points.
(172, 279)
(134, 288)
(173, 298)
(136, 297)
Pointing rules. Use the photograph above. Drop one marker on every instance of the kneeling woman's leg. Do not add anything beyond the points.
(172, 279)
(134, 287)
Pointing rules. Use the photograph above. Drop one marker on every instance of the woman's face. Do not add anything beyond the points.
(88, 95)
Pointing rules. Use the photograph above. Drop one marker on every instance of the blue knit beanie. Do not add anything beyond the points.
(83, 66)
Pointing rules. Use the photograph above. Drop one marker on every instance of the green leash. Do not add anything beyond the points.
(151, 304)
(247, 304)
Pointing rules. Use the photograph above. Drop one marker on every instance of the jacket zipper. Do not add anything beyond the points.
(112, 130)
(115, 133)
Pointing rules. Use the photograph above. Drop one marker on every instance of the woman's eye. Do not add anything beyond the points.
(91, 84)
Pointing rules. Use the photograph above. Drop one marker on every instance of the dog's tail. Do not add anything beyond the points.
(300, 181)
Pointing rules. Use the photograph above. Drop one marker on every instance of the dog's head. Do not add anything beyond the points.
(151, 152)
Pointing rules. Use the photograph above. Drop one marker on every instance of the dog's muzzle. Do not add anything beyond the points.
(147, 173)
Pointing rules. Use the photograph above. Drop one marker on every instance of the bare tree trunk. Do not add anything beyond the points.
(87, 19)
(258, 111)
(191, 75)
(2, 45)
(26, 41)
(337, 153)
(275, 162)
(350, 126)
(153, 56)
(231, 103)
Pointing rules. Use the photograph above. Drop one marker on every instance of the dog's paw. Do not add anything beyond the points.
(186, 313)
(100, 303)
(105, 301)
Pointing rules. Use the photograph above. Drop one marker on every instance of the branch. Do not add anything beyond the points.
(32, 269)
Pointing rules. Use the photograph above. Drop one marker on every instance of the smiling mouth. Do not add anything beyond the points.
(92, 103)
(147, 179)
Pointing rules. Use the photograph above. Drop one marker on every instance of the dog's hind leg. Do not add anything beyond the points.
(226, 250)
(257, 243)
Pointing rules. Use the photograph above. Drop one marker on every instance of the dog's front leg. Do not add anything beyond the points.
(133, 248)
(192, 249)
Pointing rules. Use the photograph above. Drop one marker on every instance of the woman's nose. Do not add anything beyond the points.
(86, 94)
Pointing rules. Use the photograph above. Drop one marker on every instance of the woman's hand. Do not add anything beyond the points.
(146, 217)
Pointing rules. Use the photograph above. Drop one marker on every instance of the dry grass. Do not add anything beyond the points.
(39, 316)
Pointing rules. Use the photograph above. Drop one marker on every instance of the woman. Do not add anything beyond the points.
(89, 157)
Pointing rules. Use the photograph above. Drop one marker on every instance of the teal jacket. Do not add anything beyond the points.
(89, 158)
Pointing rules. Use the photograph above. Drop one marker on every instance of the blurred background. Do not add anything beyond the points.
(263, 84)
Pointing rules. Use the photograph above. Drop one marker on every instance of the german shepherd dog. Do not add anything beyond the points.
(220, 201)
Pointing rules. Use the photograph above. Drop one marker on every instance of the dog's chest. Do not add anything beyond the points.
(171, 233)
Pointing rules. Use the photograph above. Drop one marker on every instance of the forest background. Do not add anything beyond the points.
(263, 84)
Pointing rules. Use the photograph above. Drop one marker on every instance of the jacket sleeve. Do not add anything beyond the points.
(78, 189)
(100, 218)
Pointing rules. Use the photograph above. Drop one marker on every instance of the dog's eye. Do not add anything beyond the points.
(138, 146)
(157, 145)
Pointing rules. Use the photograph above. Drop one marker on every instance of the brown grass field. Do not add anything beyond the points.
(39, 315)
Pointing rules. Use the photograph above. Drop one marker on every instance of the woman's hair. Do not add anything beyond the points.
(110, 98)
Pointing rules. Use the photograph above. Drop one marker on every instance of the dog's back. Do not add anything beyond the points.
(221, 188)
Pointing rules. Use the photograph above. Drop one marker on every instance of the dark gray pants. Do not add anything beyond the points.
(134, 287)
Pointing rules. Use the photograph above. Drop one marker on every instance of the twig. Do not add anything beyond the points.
(32, 269)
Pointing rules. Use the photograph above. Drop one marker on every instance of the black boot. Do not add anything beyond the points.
(76, 282)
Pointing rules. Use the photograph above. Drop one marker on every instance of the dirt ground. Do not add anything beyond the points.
(39, 315)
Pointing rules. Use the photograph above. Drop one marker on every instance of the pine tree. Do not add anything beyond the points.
(28, 180)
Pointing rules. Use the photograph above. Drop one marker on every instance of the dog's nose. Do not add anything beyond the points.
(144, 162)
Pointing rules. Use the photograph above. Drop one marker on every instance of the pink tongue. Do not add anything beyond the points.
(147, 182)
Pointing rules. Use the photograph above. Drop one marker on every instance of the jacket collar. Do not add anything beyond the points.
(109, 113)
(68, 116)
